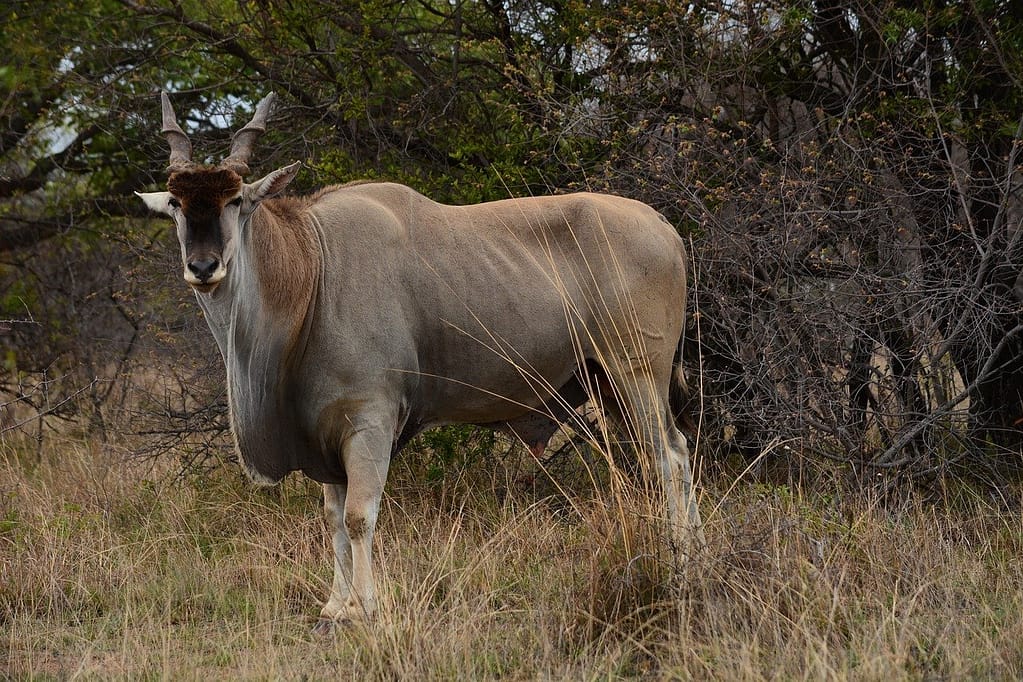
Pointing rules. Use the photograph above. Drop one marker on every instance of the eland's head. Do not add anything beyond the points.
(212, 204)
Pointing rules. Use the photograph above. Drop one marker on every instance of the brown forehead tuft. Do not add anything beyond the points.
(212, 184)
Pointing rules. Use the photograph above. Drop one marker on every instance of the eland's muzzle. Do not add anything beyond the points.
(203, 268)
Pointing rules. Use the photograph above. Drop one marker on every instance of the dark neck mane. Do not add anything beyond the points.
(286, 257)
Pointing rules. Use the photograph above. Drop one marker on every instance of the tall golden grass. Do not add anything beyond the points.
(114, 569)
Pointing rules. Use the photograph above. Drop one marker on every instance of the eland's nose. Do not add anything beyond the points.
(204, 268)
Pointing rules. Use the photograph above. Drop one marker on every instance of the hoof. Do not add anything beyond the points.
(347, 616)
(327, 626)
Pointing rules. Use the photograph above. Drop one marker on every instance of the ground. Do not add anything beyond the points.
(115, 568)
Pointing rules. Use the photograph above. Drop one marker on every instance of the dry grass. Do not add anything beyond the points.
(111, 570)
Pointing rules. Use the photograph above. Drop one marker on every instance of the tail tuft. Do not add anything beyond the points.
(679, 398)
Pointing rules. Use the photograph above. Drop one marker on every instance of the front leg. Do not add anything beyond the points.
(334, 510)
(352, 513)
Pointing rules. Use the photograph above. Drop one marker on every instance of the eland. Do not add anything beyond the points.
(352, 319)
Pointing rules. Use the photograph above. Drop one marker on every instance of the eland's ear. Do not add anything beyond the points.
(271, 185)
(157, 201)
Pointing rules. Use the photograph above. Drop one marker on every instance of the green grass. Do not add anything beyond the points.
(111, 569)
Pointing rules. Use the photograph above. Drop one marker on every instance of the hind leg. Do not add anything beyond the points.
(642, 411)
(680, 490)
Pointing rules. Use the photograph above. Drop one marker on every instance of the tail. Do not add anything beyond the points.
(680, 401)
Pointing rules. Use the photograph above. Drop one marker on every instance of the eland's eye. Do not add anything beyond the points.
(235, 202)
(173, 203)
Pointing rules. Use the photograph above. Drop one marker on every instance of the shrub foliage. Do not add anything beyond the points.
(846, 172)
